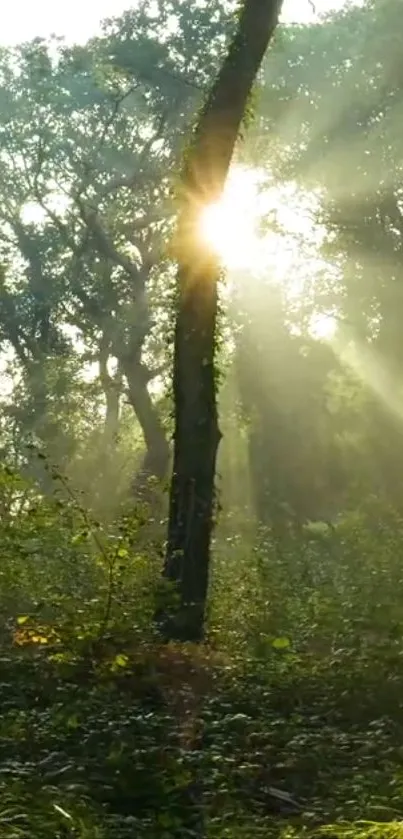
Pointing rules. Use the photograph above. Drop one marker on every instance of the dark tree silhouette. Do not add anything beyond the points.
(197, 434)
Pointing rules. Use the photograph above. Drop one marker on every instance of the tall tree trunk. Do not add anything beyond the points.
(112, 388)
(196, 424)
(156, 460)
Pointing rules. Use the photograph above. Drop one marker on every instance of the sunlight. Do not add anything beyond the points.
(230, 225)
(34, 213)
(77, 22)
(371, 369)
(323, 327)
(258, 229)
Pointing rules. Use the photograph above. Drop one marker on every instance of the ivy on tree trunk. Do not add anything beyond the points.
(197, 434)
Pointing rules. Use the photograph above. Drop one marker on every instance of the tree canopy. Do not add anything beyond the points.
(187, 252)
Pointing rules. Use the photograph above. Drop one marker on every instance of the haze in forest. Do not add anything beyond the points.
(201, 421)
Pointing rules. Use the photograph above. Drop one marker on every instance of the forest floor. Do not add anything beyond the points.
(103, 750)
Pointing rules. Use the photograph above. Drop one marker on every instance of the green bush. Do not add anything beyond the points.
(103, 733)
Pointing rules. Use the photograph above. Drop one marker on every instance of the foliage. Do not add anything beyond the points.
(104, 733)
(85, 275)
(298, 687)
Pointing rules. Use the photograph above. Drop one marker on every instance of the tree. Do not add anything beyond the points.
(341, 140)
(94, 133)
(283, 382)
(355, 157)
(197, 433)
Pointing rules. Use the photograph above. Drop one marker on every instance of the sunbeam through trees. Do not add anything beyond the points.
(201, 420)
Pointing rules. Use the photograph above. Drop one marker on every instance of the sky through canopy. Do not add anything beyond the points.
(78, 21)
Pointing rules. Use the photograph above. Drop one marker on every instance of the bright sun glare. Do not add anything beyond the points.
(232, 225)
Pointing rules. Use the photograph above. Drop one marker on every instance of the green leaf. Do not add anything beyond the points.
(121, 660)
(22, 619)
(123, 553)
(79, 537)
(63, 812)
(166, 820)
(281, 643)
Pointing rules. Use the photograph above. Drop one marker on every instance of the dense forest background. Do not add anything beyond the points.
(103, 731)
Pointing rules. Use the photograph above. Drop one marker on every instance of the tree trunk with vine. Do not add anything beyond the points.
(197, 432)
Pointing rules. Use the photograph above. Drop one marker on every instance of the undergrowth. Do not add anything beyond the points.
(106, 733)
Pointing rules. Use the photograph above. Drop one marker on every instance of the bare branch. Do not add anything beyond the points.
(115, 110)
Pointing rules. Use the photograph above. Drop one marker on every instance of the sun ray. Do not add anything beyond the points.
(230, 225)
(323, 327)
(262, 231)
